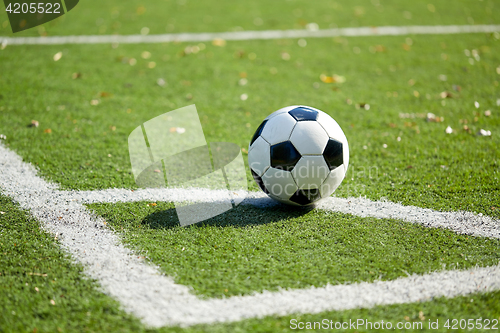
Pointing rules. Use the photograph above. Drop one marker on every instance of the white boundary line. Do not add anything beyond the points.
(252, 35)
(143, 290)
(461, 222)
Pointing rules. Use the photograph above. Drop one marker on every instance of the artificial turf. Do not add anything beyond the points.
(88, 102)
(395, 153)
(42, 289)
(174, 16)
(27, 253)
(250, 249)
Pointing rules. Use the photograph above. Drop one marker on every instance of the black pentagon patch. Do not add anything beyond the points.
(259, 182)
(284, 156)
(333, 154)
(305, 197)
(301, 113)
(258, 131)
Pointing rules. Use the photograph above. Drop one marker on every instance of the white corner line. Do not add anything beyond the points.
(252, 35)
(144, 291)
(461, 222)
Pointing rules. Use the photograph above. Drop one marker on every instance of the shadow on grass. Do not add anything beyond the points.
(243, 215)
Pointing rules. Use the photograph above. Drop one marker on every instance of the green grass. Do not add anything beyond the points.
(250, 249)
(84, 147)
(42, 289)
(129, 17)
(87, 148)
(80, 307)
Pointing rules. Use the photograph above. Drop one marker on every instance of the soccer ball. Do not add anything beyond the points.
(298, 155)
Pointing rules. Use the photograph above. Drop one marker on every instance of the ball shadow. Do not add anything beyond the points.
(250, 212)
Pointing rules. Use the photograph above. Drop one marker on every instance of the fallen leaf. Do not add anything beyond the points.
(431, 117)
(219, 42)
(47, 130)
(57, 56)
(339, 78)
(365, 106)
(326, 79)
(446, 94)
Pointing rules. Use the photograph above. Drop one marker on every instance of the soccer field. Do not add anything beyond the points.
(411, 236)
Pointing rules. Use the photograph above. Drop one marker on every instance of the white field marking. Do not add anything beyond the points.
(144, 291)
(252, 35)
(461, 222)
